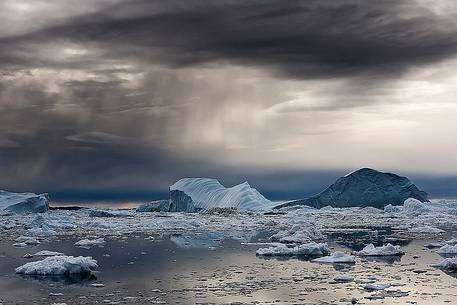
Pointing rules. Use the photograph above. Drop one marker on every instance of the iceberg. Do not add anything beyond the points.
(387, 250)
(414, 206)
(59, 265)
(448, 264)
(362, 188)
(426, 230)
(373, 286)
(87, 243)
(447, 249)
(195, 194)
(309, 250)
(28, 240)
(343, 278)
(154, 206)
(108, 213)
(48, 253)
(336, 258)
(23, 202)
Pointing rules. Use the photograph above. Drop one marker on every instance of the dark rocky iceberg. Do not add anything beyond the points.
(362, 188)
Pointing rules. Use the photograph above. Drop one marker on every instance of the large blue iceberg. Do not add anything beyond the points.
(23, 202)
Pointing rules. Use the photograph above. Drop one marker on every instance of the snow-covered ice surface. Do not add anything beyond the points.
(310, 249)
(47, 253)
(87, 243)
(211, 257)
(59, 265)
(387, 250)
(448, 249)
(23, 202)
(336, 258)
(209, 193)
(448, 264)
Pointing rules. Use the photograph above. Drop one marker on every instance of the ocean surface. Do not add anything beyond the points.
(202, 269)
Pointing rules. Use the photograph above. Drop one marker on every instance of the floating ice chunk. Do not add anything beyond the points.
(448, 264)
(452, 241)
(387, 250)
(336, 258)
(447, 249)
(310, 249)
(59, 265)
(87, 243)
(298, 234)
(414, 206)
(108, 213)
(193, 194)
(392, 209)
(426, 230)
(23, 202)
(28, 240)
(155, 206)
(434, 245)
(48, 253)
(373, 286)
(344, 278)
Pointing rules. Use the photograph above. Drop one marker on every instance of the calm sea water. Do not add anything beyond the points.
(201, 269)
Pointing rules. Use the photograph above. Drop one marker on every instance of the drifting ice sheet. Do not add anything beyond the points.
(310, 249)
(447, 249)
(387, 250)
(87, 243)
(336, 258)
(449, 264)
(59, 265)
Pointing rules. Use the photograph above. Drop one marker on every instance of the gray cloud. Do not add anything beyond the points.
(131, 95)
(299, 39)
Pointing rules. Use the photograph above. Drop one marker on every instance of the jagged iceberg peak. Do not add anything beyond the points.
(23, 202)
(207, 193)
(365, 187)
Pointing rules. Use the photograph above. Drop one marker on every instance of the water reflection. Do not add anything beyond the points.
(383, 259)
(70, 279)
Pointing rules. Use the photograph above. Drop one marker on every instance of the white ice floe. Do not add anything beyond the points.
(108, 213)
(426, 230)
(448, 249)
(448, 264)
(298, 234)
(374, 286)
(387, 250)
(434, 245)
(87, 243)
(392, 209)
(23, 202)
(48, 253)
(59, 265)
(19, 245)
(344, 278)
(28, 240)
(414, 206)
(336, 258)
(310, 249)
(208, 193)
(452, 241)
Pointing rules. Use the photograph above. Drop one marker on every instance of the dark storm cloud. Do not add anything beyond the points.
(300, 39)
(97, 102)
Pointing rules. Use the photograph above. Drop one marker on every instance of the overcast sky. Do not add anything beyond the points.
(126, 96)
